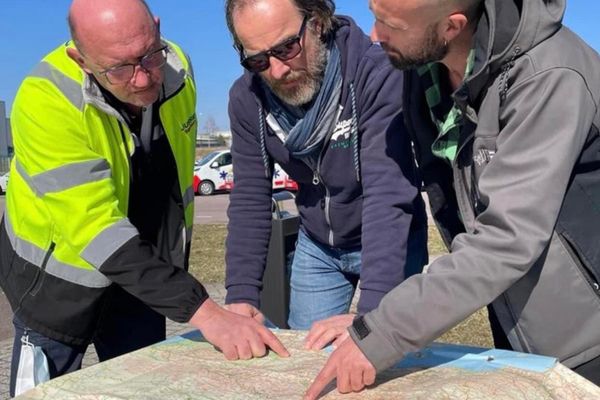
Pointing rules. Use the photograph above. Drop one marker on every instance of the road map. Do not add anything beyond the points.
(186, 367)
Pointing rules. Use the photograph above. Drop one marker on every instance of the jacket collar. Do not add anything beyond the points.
(508, 29)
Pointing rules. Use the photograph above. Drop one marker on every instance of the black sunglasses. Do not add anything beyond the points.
(284, 51)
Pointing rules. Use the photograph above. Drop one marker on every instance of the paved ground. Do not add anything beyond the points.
(208, 209)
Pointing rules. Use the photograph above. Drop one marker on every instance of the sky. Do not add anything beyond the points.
(31, 28)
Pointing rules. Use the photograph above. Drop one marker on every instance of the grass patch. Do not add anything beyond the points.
(435, 244)
(473, 331)
(207, 264)
(207, 258)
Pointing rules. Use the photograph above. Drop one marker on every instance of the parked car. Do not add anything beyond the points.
(196, 183)
(215, 172)
(281, 180)
(212, 171)
(3, 183)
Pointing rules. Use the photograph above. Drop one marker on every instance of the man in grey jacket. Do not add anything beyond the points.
(502, 104)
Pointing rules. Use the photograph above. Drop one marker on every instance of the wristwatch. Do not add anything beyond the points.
(360, 327)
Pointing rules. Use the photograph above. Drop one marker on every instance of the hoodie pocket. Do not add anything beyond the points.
(346, 219)
(38, 280)
(585, 269)
(539, 311)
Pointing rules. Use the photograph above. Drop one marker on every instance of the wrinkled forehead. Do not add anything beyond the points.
(111, 50)
(263, 24)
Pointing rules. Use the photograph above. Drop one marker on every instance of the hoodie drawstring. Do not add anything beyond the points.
(263, 146)
(354, 133)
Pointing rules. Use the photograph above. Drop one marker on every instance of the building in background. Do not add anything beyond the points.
(214, 139)
(6, 147)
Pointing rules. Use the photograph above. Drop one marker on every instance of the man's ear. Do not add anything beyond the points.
(318, 28)
(76, 56)
(157, 22)
(454, 25)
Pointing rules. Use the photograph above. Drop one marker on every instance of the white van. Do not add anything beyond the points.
(214, 171)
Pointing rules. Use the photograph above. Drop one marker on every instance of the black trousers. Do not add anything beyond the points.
(126, 325)
(590, 370)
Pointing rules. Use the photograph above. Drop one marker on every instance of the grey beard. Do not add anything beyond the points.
(307, 90)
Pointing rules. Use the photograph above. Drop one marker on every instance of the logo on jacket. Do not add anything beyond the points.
(189, 124)
(341, 135)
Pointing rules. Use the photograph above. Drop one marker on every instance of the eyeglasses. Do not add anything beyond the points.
(284, 51)
(124, 73)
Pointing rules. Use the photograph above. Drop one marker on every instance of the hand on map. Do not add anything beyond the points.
(237, 336)
(247, 310)
(331, 329)
(351, 368)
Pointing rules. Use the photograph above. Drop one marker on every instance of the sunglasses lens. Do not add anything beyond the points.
(256, 63)
(287, 51)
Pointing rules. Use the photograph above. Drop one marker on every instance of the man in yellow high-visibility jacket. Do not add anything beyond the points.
(94, 244)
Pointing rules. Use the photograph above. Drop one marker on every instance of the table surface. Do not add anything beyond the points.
(187, 367)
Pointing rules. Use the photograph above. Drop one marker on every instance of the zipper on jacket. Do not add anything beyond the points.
(126, 147)
(318, 180)
(464, 187)
(36, 284)
(580, 265)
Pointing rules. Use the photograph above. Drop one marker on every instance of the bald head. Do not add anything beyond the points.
(96, 23)
(470, 8)
(111, 34)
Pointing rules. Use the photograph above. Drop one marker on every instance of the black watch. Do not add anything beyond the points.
(360, 327)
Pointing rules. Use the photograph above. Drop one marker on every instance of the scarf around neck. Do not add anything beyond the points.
(307, 130)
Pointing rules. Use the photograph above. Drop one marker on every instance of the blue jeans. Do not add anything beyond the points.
(125, 325)
(322, 281)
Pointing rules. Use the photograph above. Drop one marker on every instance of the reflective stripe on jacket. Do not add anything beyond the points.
(66, 212)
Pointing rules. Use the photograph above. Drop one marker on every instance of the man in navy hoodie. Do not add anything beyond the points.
(319, 98)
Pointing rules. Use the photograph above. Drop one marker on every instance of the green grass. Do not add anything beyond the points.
(207, 258)
(207, 264)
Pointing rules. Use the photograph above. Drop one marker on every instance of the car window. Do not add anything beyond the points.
(204, 160)
(224, 159)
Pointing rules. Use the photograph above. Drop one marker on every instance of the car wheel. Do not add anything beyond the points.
(206, 188)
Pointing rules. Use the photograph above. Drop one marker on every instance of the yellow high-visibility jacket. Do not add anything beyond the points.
(66, 210)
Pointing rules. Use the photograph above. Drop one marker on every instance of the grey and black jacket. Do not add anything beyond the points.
(526, 184)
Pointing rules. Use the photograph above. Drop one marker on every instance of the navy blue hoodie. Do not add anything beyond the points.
(371, 200)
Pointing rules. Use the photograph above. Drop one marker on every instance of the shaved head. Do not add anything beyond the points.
(111, 34)
(470, 8)
(93, 21)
